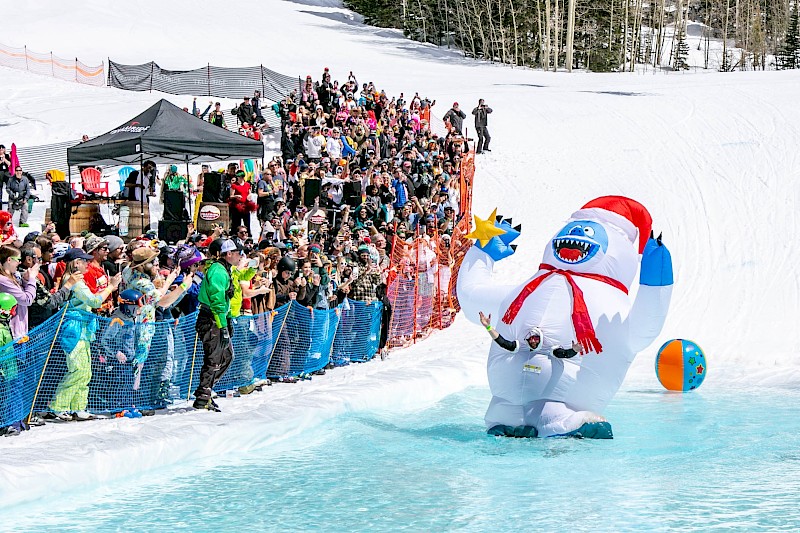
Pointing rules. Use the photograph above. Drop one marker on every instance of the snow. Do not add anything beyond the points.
(712, 156)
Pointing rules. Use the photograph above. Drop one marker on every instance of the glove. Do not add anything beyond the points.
(224, 337)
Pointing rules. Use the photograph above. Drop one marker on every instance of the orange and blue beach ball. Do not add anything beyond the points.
(680, 365)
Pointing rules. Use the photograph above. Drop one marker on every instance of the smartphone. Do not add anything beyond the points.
(253, 263)
(197, 279)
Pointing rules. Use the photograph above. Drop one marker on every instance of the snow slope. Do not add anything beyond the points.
(713, 157)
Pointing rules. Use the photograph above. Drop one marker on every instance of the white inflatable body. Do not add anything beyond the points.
(533, 388)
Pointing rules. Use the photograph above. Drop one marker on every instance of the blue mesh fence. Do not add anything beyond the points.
(80, 361)
(358, 335)
(303, 340)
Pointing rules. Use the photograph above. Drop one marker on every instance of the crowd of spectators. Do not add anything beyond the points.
(359, 176)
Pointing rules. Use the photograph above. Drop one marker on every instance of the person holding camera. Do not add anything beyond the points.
(214, 320)
(481, 120)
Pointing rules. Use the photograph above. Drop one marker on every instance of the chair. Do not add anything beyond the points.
(123, 174)
(90, 181)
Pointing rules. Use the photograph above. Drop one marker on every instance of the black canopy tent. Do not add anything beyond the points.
(164, 133)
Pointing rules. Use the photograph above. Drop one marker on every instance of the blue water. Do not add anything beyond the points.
(677, 462)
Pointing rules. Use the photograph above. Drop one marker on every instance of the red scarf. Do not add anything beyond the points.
(581, 320)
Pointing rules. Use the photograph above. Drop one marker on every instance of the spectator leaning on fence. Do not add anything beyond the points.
(72, 394)
(20, 286)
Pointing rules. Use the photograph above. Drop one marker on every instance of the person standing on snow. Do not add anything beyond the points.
(481, 119)
(456, 118)
(214, 320)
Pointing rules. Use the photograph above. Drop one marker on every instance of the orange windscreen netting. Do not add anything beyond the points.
(421, 284)
(48, 64)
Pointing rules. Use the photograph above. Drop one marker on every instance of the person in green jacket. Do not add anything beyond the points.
(214, 324)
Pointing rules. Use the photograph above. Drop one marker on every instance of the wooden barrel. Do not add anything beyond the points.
(212, 213)
(135, 227)
(82, 219)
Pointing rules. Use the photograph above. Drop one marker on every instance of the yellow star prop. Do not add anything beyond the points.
(485, 229)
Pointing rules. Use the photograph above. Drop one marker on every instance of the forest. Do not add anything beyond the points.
(600, 35)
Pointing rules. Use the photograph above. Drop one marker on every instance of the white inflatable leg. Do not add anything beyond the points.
(503, 413)
(556, 419)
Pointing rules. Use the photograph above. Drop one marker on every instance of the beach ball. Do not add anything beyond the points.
(680, 365)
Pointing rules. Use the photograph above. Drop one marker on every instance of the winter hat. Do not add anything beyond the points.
(455, 104)
(628, 215)
(173, 168)
(114, 243)
(363, 248)
(315, 248)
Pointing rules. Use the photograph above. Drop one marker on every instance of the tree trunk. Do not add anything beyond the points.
(570, 35)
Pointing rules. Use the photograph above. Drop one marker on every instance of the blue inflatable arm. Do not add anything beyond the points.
(656, 268)
(500, 247)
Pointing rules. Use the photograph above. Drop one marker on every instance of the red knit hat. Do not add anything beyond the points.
(633, 219)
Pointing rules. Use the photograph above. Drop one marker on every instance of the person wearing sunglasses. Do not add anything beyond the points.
(21, 286)
(19, 191)
(10, 376)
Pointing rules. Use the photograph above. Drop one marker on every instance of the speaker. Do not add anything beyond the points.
(351, 193)
(171, 231)
(310, 191)
(175, 205)
(212, 187)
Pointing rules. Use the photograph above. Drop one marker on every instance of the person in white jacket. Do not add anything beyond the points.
(334, 145)
(314, 143)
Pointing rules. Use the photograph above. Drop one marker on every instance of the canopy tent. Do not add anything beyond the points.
(164, 133)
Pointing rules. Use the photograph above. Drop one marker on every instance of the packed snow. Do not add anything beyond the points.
(713, 157)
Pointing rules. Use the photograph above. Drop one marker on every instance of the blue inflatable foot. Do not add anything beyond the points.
(528, 432)
(592, 430)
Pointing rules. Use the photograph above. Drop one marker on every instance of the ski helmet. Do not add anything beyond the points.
(286, 263)
(8, 306)
(129, 301)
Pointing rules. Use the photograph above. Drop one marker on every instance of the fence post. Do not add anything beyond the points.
(25, 48)
(191, 370)
(392, 264)
(152, 69)
(263, 92)
(416, 285)
(47, 360)
(438, 291)
(52, 67)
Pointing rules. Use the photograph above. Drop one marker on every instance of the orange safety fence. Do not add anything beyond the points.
(421, 284)
(51, 65)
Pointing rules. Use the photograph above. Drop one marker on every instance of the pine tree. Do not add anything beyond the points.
(789, 54)
(681, 51)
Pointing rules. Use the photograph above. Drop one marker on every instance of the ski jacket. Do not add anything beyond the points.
(481, 112)
(214, 293)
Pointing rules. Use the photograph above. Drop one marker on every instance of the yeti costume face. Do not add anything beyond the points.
(596, 241)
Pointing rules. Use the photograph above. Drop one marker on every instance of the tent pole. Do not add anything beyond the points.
(188, 187)
(142, 193)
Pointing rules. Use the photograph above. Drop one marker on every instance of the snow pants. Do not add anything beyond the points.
(72, 393)
(217, 354)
